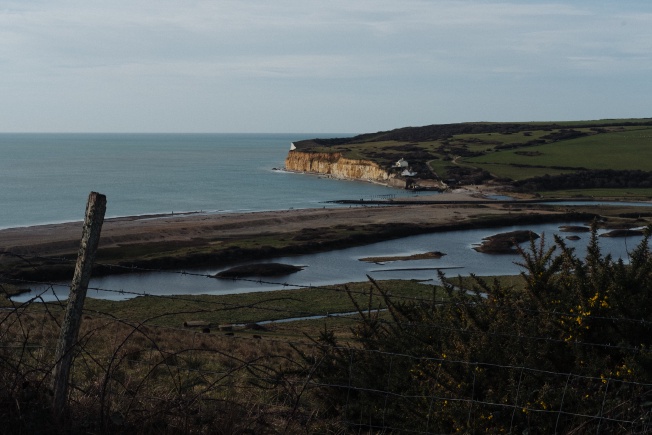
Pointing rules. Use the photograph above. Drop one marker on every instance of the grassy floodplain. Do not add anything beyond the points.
(215, 311)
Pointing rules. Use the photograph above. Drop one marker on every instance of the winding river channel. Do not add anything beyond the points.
(344, 265)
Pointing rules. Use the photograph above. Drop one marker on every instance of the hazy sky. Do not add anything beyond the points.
(318, 66)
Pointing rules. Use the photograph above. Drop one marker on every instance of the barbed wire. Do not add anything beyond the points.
(431, 397)
(285, 285)
(140, 269)
(294, 314)
(311, 383)
(419, 358)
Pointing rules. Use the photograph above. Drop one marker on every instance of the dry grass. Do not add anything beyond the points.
(141, 379)
(136, 376)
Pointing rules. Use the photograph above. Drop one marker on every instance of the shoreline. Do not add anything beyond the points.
(157, 215)
(458, 196)
(179, 242)
(196, 239)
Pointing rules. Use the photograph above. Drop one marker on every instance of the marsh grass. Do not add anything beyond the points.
(133, 378)
(253, 307)
(508, 282)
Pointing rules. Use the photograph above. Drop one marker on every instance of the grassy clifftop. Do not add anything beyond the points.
(474, 153)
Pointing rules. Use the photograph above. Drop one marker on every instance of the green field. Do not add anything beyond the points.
(630, 149)
(476, 153)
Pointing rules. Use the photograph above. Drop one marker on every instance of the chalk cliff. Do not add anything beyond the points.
(336, 166)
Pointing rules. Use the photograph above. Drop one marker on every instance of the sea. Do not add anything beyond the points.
(46, 178)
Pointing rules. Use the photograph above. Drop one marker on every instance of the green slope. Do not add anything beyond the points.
(479, 152)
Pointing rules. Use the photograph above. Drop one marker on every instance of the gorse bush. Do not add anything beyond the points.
(568, 351)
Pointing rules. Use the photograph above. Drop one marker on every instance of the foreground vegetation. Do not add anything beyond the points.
(564, 347)
(565, 351)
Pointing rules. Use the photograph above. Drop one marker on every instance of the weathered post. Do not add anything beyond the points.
(95, 209)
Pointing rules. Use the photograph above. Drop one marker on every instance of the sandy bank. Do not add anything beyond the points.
(58, 239)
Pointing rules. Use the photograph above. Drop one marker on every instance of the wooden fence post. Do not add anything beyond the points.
(95, 209)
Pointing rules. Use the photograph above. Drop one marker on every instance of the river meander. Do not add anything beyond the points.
(341, 266)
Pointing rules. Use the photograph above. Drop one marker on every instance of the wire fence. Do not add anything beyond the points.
(397, 365)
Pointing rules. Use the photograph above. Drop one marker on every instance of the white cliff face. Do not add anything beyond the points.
(336, 166)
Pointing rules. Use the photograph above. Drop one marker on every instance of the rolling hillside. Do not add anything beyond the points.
(510, 153)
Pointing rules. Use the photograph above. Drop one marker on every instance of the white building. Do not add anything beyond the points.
(401, 164)
(408, 173)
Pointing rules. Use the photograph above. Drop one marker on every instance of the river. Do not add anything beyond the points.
(341, 266)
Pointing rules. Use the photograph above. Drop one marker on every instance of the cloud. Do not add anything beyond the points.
(86, 34)
(172, 48)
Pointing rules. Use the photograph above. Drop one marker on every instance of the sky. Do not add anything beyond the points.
(329, 66)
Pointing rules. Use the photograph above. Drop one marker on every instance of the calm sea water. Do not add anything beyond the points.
(46, 178)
